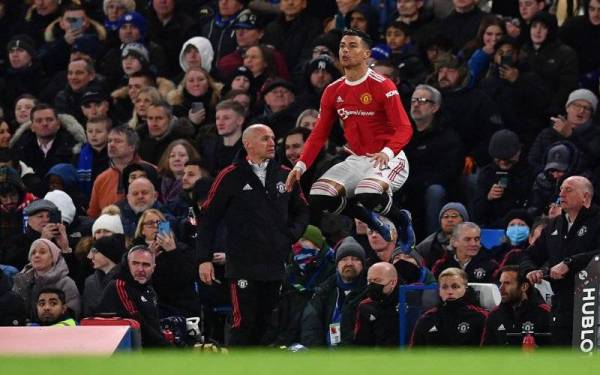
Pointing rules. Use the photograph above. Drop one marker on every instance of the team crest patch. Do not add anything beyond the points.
(463, 327)
(366, 98)
(582, 231)
(280, 187)
(527, 326)
(479, 273)
(242, 284)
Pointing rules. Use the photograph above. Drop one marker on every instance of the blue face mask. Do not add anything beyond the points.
(517, 234)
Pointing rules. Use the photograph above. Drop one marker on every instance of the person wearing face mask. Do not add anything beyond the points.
(454, 322)
(312, 263)
(517, 226)
(377, 315)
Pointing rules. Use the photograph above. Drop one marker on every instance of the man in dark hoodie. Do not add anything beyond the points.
(131, 295)
(462, 23)
(23, 73)
(555, 62)
(293, 32)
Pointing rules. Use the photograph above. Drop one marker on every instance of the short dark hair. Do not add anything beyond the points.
(362, 35)
(133, 139)
(71, 7)
(400, 26)
(150, 78)
(53, 290)
(521, 277)
(165, 106)
(41, 107)
(304, 132)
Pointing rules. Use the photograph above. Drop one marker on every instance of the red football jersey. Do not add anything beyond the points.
(370, 112)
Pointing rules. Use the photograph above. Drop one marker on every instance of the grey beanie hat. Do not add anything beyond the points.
(350, 247)
(457, 206)
(583, 94)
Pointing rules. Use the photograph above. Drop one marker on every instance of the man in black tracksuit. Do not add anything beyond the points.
(522, 311)
(377, 316)
(263, 220)
(455, 321)
(131, 295)
(566, 245)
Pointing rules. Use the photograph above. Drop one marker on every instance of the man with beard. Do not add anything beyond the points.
(329, 318)
(52, 309)
(377, 322)
(522, 311)
(141, 195)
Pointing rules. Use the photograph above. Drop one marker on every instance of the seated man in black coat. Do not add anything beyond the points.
(131, 295)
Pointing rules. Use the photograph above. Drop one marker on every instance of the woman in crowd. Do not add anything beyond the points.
(480, 51)
(46, 268)
(147, 96)
(170, 167)
(196, 97)
(175, 272)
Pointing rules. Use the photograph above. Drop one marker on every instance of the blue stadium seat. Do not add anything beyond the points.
(491, 237)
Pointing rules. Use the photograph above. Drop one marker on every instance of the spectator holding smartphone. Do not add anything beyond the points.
(504, 183)
(61, 35)
(175, 271)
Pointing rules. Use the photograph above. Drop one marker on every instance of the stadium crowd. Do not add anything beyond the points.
(153, 167)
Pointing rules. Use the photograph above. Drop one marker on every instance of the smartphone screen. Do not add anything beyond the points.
(502, 178)
(164, 228)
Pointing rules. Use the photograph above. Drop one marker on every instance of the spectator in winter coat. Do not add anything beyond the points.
(105, 254)
(46, 268)
(48, 139)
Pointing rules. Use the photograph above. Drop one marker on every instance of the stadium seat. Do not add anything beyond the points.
(488, 295)
(491, 237)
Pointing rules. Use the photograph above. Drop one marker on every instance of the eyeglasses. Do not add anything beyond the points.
(581, 107)
(421, 100)
(450, 216)
(150, 223)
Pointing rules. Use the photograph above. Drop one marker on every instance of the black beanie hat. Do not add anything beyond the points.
(112, 247)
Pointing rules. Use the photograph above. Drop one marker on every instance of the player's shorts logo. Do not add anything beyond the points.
(366, 98)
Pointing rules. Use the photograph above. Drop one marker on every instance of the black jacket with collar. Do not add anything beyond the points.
(262, 221)
(451, 323)
(531, 315)
(557, 244)
(480, 268)
(127, 298)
